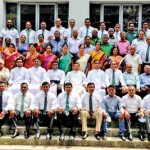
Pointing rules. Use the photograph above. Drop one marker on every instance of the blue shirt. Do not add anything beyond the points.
(112, 104)
(144, 80)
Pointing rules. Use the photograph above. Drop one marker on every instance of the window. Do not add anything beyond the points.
(146, 13)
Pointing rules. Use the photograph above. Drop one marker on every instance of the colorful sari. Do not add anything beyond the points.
(97, 56)
(65, 63)
(30, 59)
(23, 48)
(40, 48)
(10, 60)
(46, 61)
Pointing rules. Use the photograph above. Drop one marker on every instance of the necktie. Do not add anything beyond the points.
(102, 33)
(43, 32)
(90, 104)
(67, 105)
(145, 33)
(113, 77)
(28, 36)
(71, 32)
(1, 101)
(45, 104)
(22, 106)
(87, 31)
(147, 53)
(117, 35)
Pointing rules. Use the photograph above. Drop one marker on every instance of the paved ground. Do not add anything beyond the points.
(21, 147)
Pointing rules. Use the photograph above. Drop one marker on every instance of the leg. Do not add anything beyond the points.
(49, 126)
(147, 117)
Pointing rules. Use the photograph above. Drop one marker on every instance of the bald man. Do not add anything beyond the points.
(4, 72)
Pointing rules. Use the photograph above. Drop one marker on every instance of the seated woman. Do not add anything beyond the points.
(23, 47)
(82, 59)
(47, 58)
(10, 57)
(31, 55)
(97, 54)
(40, 47)
(119, 59)
(65, 60)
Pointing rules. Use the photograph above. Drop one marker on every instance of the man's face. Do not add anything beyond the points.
(111, 32)
(68, 89)
(117, 28)
(55, 66)
(94, 33)
(9, 24)
(113, 65)
(105, 39)
(123, 35)
(129, 69)
(19, 63)
(102, 26)
(28, 25)
(43, 25)
(36, 63)
(57, 35)
(45, 88)
(148, 40)
(131, 91)
(2, 87)
(24, 88)
(132, 50)
(91, 88)
(111, 91)
(147, 70)
(58, 22)
(145, 26)
(76, 67)
(96, 64)
(131, 27)
(87, 40)
(72, 23)
(87, 23)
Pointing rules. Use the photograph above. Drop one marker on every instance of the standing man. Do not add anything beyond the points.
(45, 106)
(86, 30)
(28, 33)
(68, 105)
(110, 104)
(146, 29)
(94, 37)
(22, 107)
(44, 32)
(87, 43)
(112, 39)
(117, 31)
(102, 30)
(9, 32)
(91, 108)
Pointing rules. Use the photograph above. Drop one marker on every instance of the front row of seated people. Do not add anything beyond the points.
(67, 107)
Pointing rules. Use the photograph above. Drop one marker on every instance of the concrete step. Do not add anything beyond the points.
(112, 132)
(90, 141)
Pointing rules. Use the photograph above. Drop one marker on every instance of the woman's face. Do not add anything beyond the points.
(32, 48)
(48, 49)
(40, 38)
(65, 49)
(115, 51)
(97, 45)
(11, 48)
(22, 39)
(82, 49)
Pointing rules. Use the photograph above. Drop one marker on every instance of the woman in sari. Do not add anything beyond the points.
(82, 59)
(65, 60)
(47, 58)
(23, 47)
(31, 55)
(97, 54)
(117, 58)
(40, 47)
(10, 56)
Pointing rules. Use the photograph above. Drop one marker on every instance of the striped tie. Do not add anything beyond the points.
(90, 104)
(113, 77)
(67, 105)
(45, 104)
(147, 54)
(22, 106)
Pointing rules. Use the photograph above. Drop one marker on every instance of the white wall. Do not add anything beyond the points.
(2, 14)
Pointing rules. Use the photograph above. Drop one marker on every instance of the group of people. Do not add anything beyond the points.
(66, 73)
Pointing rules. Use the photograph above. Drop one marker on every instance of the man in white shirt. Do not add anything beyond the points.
(134, 59)
(22, 106)
(57, 27)
(86, 30)
(146, 107)
(145, 26)
(69, 31)
(102, 30)
(35, 77)
(9, 32)
(77, 78)
(28, 33)
(6, 100)
(91, 108)
(56, 78)
(17, 76)
(115, 77)
(88, 46)
(45, 106)
(97, 76)
(4, 72)
(43, 31)
(117, 31)
(133, 111)
(68, 106)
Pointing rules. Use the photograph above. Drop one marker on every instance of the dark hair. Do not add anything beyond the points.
(19, 58)
(55, 62)
(24, 83)
(48, 45)
(97, 42)
(111, 86)
(8, 39)
(65, 44)
(87, 19)
(2, 82)
(81, 45)
(34, 44)
(38, 58)
(113, 49)
(90, 83)
(41, 35)
(102, 22)
(57, 31)
(76, 63)
(131, 23)
(145, 22)
(67, 83)
(86, 37)
(45, 83)
(141, 31)
(12, 45)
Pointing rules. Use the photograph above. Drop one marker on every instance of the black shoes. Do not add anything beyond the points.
(148, 136)
(84, 135)
(97, 136)
(122, 137)
(16, 133)
(26, 134)
(48, 136)
(104, 137)
(62, 136)
(141, 136)
(1, 133)
(37, 135)
(130, 138)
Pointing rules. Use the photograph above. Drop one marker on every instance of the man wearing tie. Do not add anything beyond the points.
(5, 104)
(22, 107)
(68, 105)
(91, 108)
(45, 106)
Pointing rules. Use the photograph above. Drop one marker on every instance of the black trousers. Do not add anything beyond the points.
(131, 122)
(2, 121)
(63, 120)
(147, 117)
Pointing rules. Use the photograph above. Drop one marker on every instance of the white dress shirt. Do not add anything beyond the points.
(100, 33)
(73, 44)
(46, 35)
(40, 100)
(74, 100)
(68, 32)
(96, 101)
(87, 50)
(117, 35)
(118, 77)
(146, 102)
(147, 32)
(28, 101)
(31, 35)
(135, 60)
(132, 104)
(83, 31)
